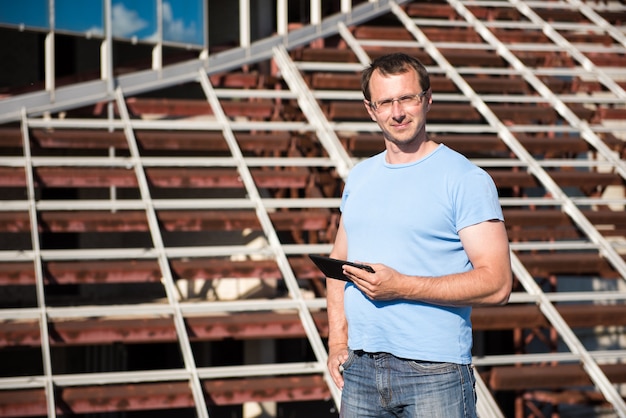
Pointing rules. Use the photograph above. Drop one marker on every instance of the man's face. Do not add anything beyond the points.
(402, 121)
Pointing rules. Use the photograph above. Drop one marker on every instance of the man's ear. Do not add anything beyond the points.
(369, 109)
(429, 100)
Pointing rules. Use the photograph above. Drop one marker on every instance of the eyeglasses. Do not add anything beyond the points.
(385, 105)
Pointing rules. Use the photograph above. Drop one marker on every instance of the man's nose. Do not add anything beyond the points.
(397, 110)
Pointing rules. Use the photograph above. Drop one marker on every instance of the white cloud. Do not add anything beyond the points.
(94, 31)
(126, 22)
(175, 29)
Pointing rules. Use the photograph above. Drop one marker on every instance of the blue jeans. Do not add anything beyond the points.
(382, 385)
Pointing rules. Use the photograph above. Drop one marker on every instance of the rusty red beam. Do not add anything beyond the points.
(520, 114)
(552, 217)
(106, 271)
(566, 396)
(216, 178)
(98, 331)
(583, 179)
(529, 316)
(485, 143)
(162, 395)
(278, 141)
(236, 79)
(170, 395)
(549, 376)
(351, 110)
(160, 177)
(245, 325)
(554, 224)
(181, 220)
(438, 83)
(150, 140)
(276, 389)
(543, 221)
(572, 263)
(462, 34)
(146, 271)
(257, 109)
(442, 11)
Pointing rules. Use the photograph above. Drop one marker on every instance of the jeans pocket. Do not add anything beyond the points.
(343, 366)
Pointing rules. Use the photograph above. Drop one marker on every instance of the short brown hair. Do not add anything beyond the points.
(395, 63)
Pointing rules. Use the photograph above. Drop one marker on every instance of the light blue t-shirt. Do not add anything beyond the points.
(408, 216)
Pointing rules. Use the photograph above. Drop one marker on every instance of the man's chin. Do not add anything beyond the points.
(401, 141)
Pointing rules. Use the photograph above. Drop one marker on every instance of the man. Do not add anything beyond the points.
(429, 223)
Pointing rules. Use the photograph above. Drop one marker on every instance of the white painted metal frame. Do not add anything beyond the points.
(276, 248)
(41, 297)
(314, 114)
(159, 249)
(29, 106)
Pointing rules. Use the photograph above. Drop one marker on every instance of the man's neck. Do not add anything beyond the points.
(407, 154)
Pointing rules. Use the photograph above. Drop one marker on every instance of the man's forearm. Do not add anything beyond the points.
(337, 324)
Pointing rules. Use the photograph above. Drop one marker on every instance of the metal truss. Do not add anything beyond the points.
(42, 110)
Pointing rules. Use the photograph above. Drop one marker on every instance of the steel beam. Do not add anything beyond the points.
(259, 325)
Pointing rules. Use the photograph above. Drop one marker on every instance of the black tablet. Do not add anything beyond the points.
(332, 267)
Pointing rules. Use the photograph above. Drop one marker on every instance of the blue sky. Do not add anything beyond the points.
(182, 19)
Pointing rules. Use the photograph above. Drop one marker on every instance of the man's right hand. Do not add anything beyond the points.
(336, 357)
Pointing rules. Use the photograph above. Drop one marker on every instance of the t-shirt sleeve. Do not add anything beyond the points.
(477, 200)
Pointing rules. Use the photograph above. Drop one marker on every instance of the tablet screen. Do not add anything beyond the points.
(333, 268)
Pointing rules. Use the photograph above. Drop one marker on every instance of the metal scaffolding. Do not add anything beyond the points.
(192, 182)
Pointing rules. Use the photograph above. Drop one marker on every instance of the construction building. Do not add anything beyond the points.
(160, 196)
